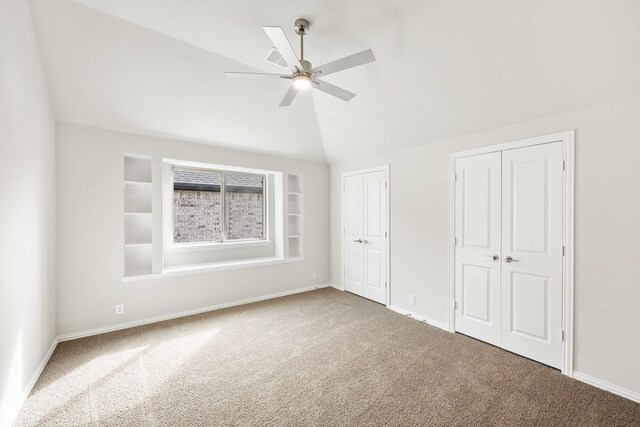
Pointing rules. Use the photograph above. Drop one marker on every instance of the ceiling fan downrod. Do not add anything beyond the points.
(302, 29)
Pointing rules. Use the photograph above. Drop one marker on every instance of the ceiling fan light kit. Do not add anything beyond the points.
(302, 81)
(303, 75)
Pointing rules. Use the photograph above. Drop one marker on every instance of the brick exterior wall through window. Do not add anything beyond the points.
(196, 216)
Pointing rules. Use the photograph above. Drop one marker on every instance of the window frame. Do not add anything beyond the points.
(223, 217)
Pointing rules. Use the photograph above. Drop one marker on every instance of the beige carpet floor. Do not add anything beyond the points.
(322, 358)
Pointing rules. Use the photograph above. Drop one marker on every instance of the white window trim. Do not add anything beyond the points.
(272, 233)
(197, 246)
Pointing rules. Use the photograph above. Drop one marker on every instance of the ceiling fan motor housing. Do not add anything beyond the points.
(306, 65)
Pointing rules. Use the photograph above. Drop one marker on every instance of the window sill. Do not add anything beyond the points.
(212, 267)
(186, 247)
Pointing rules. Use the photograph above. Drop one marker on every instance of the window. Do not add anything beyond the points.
(213, 206)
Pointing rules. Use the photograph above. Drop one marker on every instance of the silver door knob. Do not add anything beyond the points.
(493, 257)
(358, 241)
(509, 259)
(366, 242)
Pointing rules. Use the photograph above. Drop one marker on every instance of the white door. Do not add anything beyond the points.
(508, 254)
(477, 255)
(374, 236)
(353, 230)
(532, 185)
(365, 235)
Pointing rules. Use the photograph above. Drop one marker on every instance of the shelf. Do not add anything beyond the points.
(295, 208)
(141, 183)
(138, 259)
(295, 248)
(137, 229)
(137, 168)
(138, 197)
(294, 182)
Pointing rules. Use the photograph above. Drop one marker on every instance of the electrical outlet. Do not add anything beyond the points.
(119, 308)
(314, 275)
(412, 299)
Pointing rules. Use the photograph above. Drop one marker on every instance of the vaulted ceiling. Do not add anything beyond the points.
(444, 68)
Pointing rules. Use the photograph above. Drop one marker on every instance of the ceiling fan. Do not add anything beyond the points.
(303, 75)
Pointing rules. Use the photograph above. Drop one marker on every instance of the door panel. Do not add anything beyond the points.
(532, 235)
(353, 260)
(374, 268)
(477, 182)
(477, 225)
(529, 205)
(476, 293)
(353, 224)
(529, 305)
(375, 240)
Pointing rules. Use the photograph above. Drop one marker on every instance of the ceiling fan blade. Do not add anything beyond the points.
(281, 43)
(350, 61)
(235, 75)
(336, 91)
(288, 97)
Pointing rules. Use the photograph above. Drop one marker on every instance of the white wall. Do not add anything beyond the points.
(90, 230)
(27, 208)
(607, 230)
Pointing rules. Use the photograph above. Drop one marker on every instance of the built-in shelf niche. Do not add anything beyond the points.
(137, 169)
(295, 216)
(137, 198)
(295, 203)
(137, 229)
(295, 225)
(138, 259)
(138, 215)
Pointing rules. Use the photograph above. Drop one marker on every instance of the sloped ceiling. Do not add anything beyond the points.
(445, 68)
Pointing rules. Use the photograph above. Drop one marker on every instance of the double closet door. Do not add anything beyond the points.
(509, 249)
(365, 234)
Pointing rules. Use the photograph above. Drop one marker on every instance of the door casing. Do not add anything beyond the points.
(381, 168)
(567, 139)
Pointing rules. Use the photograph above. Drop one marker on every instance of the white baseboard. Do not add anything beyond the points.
(7, 419)
(620, 391)
(133, 324)
(333, 285)
(420, 318)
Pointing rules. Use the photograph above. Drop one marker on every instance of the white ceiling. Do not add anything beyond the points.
(445, 68)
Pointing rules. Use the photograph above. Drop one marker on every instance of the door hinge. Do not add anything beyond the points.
(385, 184)
(562, 336)
(385, 234)
(455, 305)
(564, 165)
(385, 283)
(455, 177)
(563, 250)
(455, 241)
